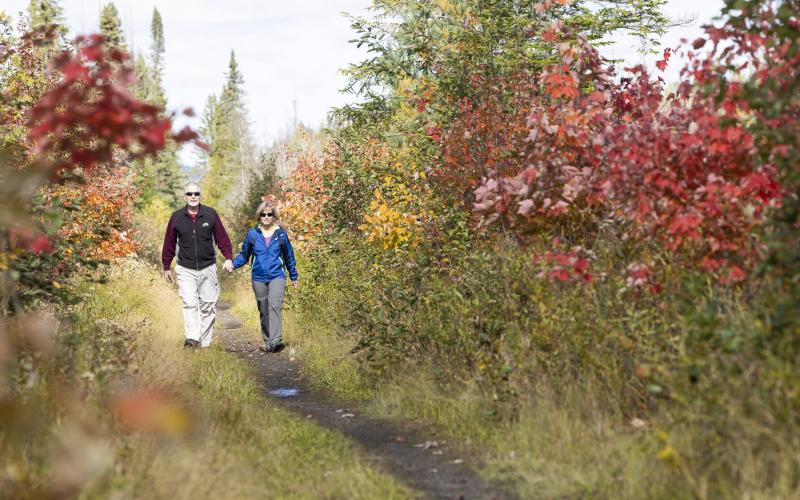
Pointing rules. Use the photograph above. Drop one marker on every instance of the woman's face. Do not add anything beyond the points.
(267, 216)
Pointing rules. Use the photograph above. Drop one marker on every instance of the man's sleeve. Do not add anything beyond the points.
(221, 237)
(168, 249)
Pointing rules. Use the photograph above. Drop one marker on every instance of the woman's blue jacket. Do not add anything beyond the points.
(268, 261)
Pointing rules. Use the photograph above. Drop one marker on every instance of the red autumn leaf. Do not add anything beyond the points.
(581, 266)
(549, 35)
(559, 274)
(85, 157)
(735, 275)
(685, 224)
(92, 52)
(185, 134)
(40, 244)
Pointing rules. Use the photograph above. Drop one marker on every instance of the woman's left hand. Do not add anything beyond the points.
(294, 284)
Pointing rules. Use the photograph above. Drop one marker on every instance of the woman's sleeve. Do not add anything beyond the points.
(288, 255)
(244, 256)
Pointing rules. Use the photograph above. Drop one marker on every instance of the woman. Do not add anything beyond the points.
(268, 246)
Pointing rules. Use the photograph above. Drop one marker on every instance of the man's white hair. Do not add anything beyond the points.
(190, 185)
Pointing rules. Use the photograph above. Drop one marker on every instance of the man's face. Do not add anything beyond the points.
(192, 196)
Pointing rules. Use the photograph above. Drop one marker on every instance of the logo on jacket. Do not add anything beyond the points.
(205, 224)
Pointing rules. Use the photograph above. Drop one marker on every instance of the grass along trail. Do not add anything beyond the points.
(232, 441)
(413, 453)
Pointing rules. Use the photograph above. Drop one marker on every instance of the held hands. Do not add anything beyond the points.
(294, 283)
(228, 266)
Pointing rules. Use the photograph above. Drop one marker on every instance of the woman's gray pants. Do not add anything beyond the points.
(269, 297)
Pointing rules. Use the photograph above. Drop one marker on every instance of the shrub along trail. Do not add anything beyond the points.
(412, 453)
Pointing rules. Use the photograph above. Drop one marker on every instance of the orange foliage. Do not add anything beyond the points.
(100, 214)
(304, 196)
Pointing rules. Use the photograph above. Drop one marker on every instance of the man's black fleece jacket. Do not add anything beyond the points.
(195, 238)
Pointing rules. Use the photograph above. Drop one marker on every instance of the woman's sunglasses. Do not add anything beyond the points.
(267, 214)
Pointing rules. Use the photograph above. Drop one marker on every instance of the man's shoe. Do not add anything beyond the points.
(278, 348)
(191, 344)
(265, 349)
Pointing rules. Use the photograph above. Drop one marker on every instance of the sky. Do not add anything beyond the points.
(290, 52)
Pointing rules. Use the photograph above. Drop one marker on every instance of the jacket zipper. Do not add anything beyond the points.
(194, 238)
(271, 240)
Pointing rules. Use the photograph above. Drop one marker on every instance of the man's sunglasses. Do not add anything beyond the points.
(267, 214)
(197, 193)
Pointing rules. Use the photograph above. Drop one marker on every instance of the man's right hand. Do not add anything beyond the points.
(168, 276)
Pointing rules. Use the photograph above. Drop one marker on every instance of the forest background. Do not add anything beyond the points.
(588, 274)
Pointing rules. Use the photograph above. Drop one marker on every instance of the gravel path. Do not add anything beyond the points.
(406, 450)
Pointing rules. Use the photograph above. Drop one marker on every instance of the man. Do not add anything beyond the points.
(195, 228)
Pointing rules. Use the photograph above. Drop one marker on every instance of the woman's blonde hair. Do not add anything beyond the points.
(265, 205)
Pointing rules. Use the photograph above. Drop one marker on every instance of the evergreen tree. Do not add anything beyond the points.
(205, 132)
(149, 86)
(169, 177)
(111, 27)
(143, 88)
(231, 160)
(43, 13)
(46, 12)
(263, 182)
(160, 178)
(232, 92)
(157, 48)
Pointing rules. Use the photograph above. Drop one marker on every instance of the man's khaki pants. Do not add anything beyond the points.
(199, 291)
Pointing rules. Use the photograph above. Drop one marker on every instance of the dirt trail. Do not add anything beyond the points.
(408, 451)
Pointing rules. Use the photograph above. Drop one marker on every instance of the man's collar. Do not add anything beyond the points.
(186, 209)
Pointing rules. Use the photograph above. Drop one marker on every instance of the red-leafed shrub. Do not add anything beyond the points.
(682, 168)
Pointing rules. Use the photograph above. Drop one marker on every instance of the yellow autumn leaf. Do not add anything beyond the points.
(668, 454)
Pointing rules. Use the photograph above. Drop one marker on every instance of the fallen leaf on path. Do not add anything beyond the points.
(457, 461)
(348, 415)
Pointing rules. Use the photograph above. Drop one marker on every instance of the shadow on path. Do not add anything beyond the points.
(398, 448)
